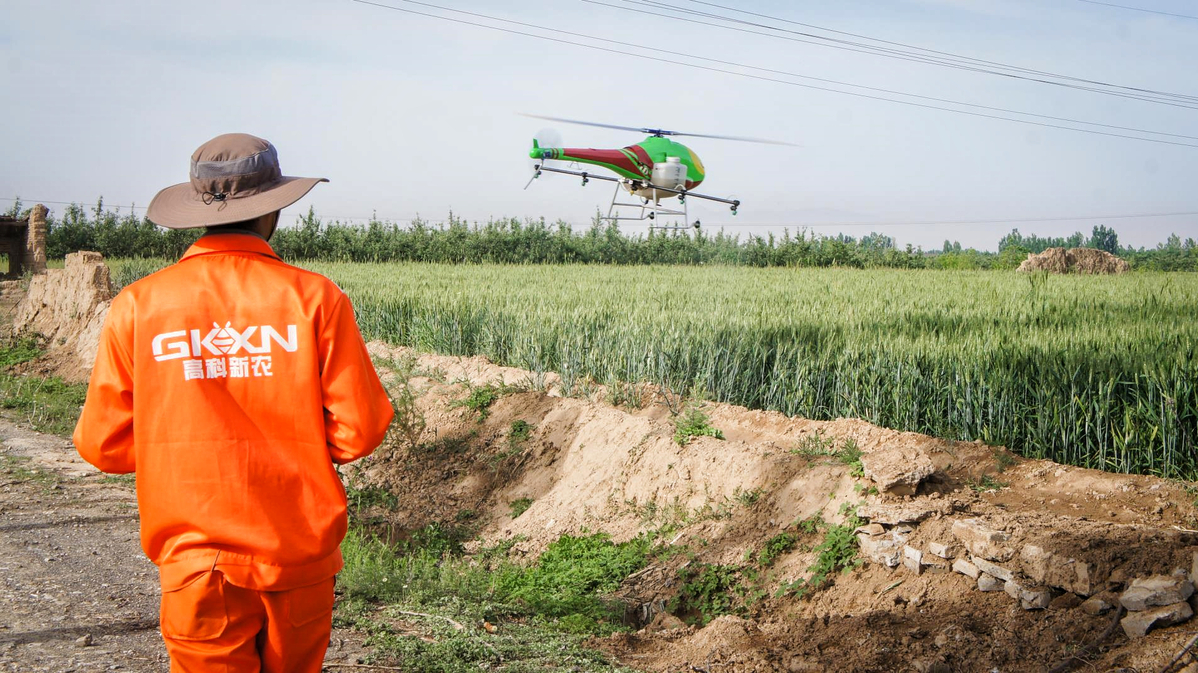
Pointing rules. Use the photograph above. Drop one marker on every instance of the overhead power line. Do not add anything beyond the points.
(950, 55)
(1009, 220)
(1140, 9)
(762, 77)
(1169, 99)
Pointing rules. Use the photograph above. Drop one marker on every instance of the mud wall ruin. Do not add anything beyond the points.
(24, 242)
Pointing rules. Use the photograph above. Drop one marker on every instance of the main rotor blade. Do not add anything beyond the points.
(661, 132)
(582, 123)
(741, 139)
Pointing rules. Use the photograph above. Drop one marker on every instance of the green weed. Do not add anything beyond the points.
(520, 506)
(694, 422)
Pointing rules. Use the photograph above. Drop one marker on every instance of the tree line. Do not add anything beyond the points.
(534, 241)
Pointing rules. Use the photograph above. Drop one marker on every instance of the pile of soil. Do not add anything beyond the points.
(589, 466)
(67, 308)
(1074, 260)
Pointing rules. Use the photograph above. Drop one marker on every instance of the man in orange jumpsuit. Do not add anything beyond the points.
(231, 383)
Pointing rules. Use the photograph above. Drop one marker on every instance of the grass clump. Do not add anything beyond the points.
(986, 483)
(775, 547)
(837, 552)
(47, 404)
(480, 399)
(520, 506)
(691, 423)
(540, 614)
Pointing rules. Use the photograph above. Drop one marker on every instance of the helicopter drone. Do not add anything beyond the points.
(654, 169)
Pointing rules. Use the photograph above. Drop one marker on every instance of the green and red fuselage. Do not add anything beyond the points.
(634, 162)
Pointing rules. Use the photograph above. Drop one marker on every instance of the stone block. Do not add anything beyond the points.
(988, 583)
(1035, 598)
(872, 529)
(983, 541)
(897, 470)
(894, 514)
(944, 551)
(1138, 624)
(966, 568)
(1013, 588)
(882, 549)
(1096, 605)
(993, 569)
(1056, 570)
(1148, 592)
(913, 559)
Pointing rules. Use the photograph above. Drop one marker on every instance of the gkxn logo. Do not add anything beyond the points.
(227, 340)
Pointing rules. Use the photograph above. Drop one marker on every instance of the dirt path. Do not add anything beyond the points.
(76, 592)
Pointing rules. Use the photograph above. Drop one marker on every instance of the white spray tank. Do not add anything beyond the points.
(670, 174)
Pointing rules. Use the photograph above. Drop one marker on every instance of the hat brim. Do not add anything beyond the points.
(180, 207)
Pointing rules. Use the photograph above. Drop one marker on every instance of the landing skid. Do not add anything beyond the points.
(658, 216)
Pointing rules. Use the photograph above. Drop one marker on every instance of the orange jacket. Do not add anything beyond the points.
(231, 382)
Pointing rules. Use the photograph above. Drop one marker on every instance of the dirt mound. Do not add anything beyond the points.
(67, 307)
(1074, 260)
(1058, 535)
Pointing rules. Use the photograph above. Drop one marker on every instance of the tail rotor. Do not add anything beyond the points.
(546, 138)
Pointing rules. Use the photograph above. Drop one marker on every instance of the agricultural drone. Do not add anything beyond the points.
(654, 169)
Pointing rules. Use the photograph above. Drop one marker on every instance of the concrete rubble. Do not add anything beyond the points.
(897, 470)
(1138, 624)
(983, 541)
(1155, 591)
(1035, 575)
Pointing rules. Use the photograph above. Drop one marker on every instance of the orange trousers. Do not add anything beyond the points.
(211, 626)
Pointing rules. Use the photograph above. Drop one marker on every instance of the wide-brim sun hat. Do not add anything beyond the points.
(234, 177)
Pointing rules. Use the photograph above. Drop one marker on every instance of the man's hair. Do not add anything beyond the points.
(244, 224)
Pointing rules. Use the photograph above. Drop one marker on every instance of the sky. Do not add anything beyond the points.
(410, 115)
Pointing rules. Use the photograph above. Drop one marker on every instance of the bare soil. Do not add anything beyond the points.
(590, 466)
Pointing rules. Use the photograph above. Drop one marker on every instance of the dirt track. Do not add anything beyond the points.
(76, 592)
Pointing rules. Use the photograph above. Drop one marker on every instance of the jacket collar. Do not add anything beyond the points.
(230, 242)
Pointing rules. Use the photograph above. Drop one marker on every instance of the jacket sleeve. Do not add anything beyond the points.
(357, 411)
(104, 433)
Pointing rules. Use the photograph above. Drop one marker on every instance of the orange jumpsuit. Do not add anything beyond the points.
(231, 383)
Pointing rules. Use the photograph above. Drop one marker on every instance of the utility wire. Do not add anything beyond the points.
(951, 56)
(743, 74)
(816, 79)
(1140, 9)
(1173, 101)
(1017, 220)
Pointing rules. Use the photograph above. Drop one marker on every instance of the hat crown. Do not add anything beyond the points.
(234, 165)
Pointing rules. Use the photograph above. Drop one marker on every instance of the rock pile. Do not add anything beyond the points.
(1032, 575)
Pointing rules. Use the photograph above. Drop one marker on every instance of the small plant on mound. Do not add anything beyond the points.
(520, 506)
(748, 498)
(775, 547)
(409, 423)
(986, 483)
(708, 591)
(836, 553)
(694, 422)
(365, 497)
(480, 399)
